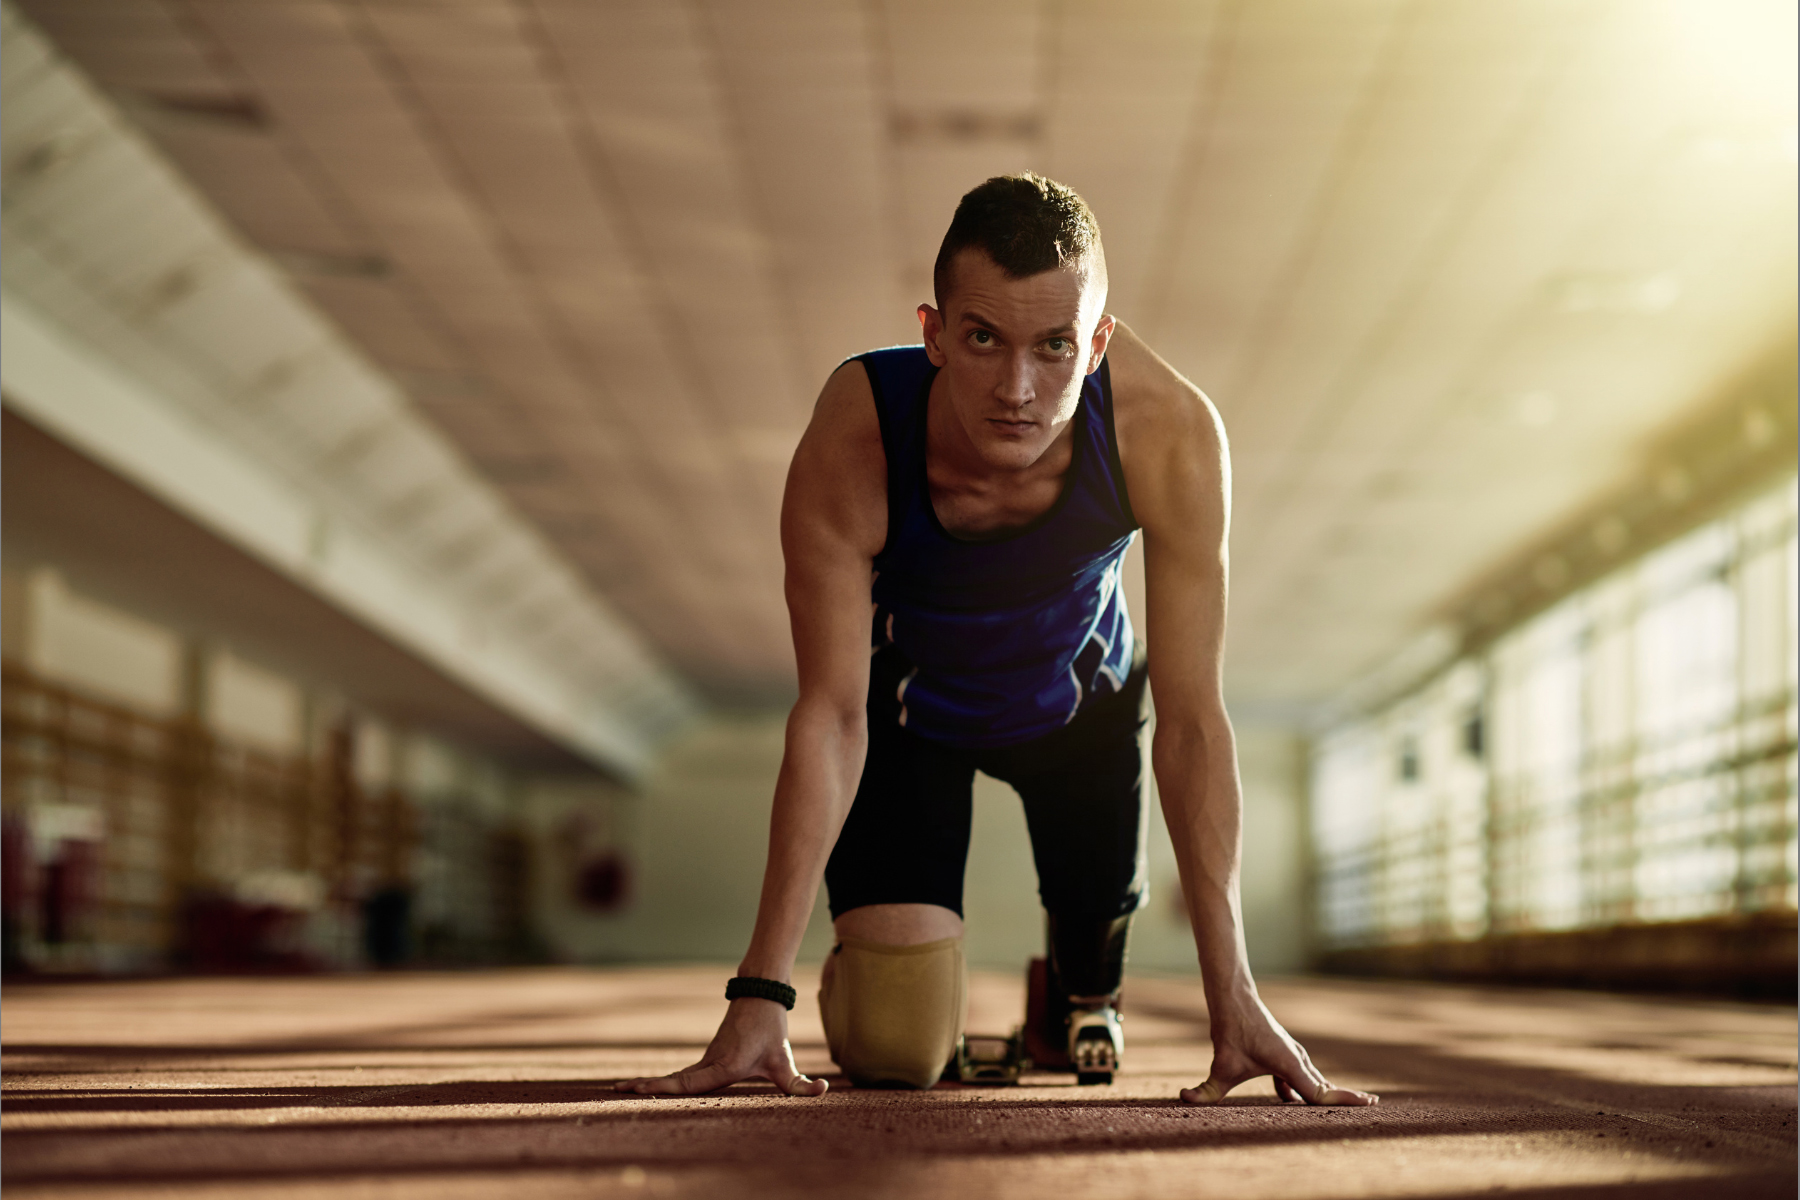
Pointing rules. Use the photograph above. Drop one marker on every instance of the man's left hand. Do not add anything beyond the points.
(1249, 1042)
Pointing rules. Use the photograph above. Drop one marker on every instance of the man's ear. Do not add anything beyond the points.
(931, 323)
(1102, 336)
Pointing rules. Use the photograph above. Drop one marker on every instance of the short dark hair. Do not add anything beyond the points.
(1027, 224)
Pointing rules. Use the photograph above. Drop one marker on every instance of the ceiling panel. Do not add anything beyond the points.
(422, 171)
(1396, 202)
(1291, 75)
(979, 57)
(1128, 86)
(137, 44)
(251, 179)
(387, 323)
(804, 95)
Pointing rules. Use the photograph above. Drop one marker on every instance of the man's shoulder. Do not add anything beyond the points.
(837, 483)
(1155, 405)
(845, 417)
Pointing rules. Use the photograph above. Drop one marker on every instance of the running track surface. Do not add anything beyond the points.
(496, 1083)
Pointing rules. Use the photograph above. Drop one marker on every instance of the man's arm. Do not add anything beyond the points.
(833, 523)
(1177, 466)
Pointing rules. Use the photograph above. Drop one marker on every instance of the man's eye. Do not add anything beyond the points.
(1057, 345)
(981, 337)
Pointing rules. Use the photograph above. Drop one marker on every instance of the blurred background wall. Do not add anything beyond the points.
(397, 398)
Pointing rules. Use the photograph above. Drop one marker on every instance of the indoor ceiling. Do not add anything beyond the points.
(1446, 266)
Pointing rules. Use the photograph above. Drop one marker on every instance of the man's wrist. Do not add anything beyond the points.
(1232, 1006)
(754, 967)
(1229, 986)
(750, 987)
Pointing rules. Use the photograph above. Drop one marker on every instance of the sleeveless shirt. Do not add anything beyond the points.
(1003, 639)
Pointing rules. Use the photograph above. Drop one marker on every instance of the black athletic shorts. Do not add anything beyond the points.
(906, 840)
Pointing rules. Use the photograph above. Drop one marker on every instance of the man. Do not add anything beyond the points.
(972, 495)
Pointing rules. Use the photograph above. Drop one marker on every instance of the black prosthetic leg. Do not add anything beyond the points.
(1072, 1018)
(1087, 958)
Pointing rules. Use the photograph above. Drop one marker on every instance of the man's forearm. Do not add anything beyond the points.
(820, 765)
(1196, 775)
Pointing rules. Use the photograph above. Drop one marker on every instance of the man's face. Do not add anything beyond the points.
(1013, 352)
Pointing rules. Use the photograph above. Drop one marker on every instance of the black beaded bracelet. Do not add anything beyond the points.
(761, 989)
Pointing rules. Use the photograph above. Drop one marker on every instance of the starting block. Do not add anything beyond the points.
(1093, 1050)
(991, 1060)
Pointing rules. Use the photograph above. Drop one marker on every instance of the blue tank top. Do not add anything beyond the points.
(1004, 639)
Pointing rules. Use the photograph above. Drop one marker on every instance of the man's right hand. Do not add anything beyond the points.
(751, 1043)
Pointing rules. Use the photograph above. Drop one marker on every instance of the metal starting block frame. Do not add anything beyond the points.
(991, 1060)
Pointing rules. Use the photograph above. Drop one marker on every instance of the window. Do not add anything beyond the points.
(1626, 756)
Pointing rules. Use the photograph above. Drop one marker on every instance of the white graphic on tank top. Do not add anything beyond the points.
(1089, 662)
(881, 633)
(900, 693)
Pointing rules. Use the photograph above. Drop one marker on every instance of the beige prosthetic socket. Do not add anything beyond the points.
(893, 1013)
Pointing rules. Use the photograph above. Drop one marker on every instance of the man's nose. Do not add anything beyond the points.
(1016, 388)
